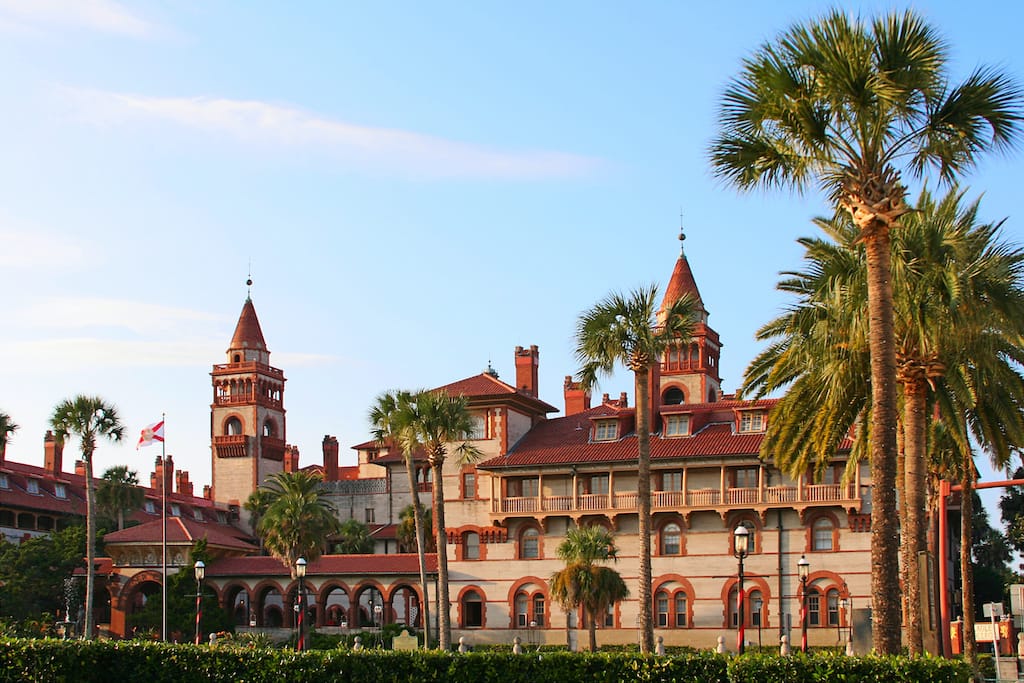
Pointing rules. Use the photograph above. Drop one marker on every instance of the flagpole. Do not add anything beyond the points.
(163, 530)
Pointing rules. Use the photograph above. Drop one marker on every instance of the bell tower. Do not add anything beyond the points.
(688, 373)
(247, 417)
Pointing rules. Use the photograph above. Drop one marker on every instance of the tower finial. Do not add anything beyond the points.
(682, 235)
(248, 283)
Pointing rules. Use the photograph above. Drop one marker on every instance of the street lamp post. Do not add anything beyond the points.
(803, 568)
(300, 574)
(378, 620)
(200, 575)
(739, 549)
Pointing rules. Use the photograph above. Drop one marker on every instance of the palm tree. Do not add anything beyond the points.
(436, 420)
(119, 492)
(88, 418)
(7, 428)
(298, 518)
(631, 331)
(584, 582)
(850, 105)
(354, 538)
(954, 285)
(405, 532)
(391, 416)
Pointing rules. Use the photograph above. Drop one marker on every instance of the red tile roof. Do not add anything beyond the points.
(180, 530)
(248, 334)
(328, 565)
(566, 440)
(487, 386)
(682, 282)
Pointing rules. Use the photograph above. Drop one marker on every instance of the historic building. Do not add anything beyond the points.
(508, 512)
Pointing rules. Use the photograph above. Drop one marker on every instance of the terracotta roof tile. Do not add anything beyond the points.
(248, 334)
(180, 530)
(566, 440)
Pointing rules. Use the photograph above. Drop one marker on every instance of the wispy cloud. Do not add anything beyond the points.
(257, 122)
(95, 15)
(82, 313)
(31, 249)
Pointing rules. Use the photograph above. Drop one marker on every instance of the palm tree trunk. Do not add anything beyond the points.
(966, 566)
(913, 537)
(421, 545)
(885, 596)
(90, 544)
(643, 433)
(443, 607)
(592, 629)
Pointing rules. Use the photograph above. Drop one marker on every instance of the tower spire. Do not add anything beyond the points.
(682, 235)
(248, 283)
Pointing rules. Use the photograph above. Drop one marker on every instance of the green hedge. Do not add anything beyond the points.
(55, 661)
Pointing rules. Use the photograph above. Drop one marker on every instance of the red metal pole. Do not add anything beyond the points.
(199, 610)
(740, 616)
(947, 647)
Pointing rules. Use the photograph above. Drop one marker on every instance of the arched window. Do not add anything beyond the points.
(821, 534)
(471, 546)
(673, 396)
(522, 607)
(813, 607)
(694, 356)
(538, 610)
(268, 427)
(671, 536)
(233, 427)
(472, 610)
(529, 544)
(751, 536)
(832, 606)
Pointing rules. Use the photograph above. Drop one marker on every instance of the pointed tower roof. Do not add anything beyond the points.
(681, 283)
(248, 334)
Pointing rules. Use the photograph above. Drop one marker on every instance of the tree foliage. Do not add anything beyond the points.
(119, 493)
(298, 517)
(33, 574)
(353, 538)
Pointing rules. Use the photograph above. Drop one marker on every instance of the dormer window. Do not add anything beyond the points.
(175, 509)
(198, 514)
(150, 507)
(32, 486)
(677, 425)
(752, 421)
(60, 490)
(606, 430)
(3, 482)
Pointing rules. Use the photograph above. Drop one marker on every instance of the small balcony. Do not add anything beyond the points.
(715, 499)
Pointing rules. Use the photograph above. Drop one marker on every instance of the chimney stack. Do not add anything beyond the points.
(527, 361)
(184, 485)
(165, 470)
(330, 447)
(207, 492)
(623, 400)
(53, 454)
(291, 458)
(80, 468)
(576, 399)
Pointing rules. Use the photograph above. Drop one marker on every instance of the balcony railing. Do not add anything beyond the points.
(706, 498)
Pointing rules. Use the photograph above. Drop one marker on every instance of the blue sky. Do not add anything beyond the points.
(417, 187)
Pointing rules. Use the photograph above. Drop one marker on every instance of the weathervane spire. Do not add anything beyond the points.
(682, 235)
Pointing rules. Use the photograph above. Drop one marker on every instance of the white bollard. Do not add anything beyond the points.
(784, 646)
(517, 646)
(721, 645)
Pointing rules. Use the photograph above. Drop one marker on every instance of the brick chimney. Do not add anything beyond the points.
(623, 400)
(80, 468)
(330, 447)
(207, 492)
(184, 485)
(291, 458)
(166, 472)
(53, 454)
(576, 399)
(527, 361)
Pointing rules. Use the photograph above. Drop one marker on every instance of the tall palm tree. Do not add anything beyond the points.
(850, 104)
(629, 330)
(119, 492)
(7, 428)
(957, 291)
(405, 533)
(391, 417)
(437, 420)
(88, 418)
(298, 518)
(584, 582)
